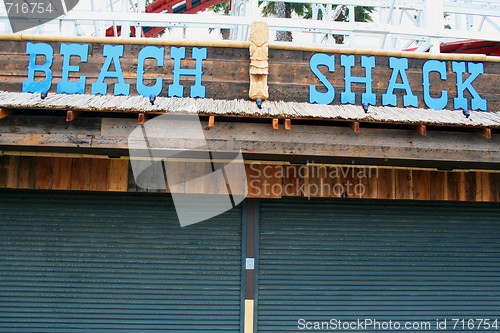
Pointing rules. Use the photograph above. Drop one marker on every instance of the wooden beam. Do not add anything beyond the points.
(71, 115)
(4, 113)
(288, 124)
(304, 140)
(211, 121)
(275, 123)
(421, 129)
(486, 132)
(141, 118)
(355, 126)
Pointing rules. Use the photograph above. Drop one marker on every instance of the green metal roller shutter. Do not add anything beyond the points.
(400, 261)
(115, 263)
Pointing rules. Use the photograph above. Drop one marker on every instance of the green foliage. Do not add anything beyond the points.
(303, 10)
(221, 7)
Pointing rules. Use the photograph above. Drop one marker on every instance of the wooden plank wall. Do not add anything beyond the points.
(226, 73)
(373, 183)
(56, 173)
(290, 76)
(263, 180)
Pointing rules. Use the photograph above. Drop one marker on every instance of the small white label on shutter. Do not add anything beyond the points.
(250, 264)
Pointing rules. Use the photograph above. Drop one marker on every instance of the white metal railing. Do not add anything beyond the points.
(397, 24)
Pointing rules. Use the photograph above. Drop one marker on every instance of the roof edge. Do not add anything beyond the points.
(235, 44)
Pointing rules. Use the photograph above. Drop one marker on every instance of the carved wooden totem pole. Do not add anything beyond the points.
(259, 35)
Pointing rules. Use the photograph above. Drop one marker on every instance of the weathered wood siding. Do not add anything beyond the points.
(290, 77)
(263, 180)
(51, 173)
(226, 72)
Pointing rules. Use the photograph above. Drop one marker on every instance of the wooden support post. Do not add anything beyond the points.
(421, 129)
(355, 126)
(250, 232)
(141, 118)
(486, 132)
(71, 115)
(288, 124)
(211, 121)
(275, 123)
(4, 113)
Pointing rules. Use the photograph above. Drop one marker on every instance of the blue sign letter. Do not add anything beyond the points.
(321, 59)
(348, 96)
(65, 86)
(399, 67)
(30, 85)
(176, 89)
(460, 102)
(152, 52)
(434, 66)
(112, 53)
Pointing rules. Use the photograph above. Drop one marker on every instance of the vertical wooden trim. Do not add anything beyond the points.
(495, 186)
(404, 184)
(292, 181)
(26, 173)
(439, 185)
(3, 171)
(250, 228)
(80, 174)
(44, 173)
(335, 181)
(314, 181)
(62, 173)
(461, 186)
(369, 183)
(472, 184)
(490, 186)
(12, 171)
(453, 185)
(118, 175)
(99, 174)
(479, 187)
(386, 184)
(250, 246)
(421, 185)
(350, 181)
(275, 123)
(288, 124)
(249, 316)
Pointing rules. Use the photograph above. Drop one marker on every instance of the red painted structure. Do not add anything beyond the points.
(170, 6)
(470, 47)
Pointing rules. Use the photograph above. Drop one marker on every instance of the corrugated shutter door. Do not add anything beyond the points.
(115, 263)
(405, 262)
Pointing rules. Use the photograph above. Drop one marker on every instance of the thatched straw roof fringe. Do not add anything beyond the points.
(244, 108)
